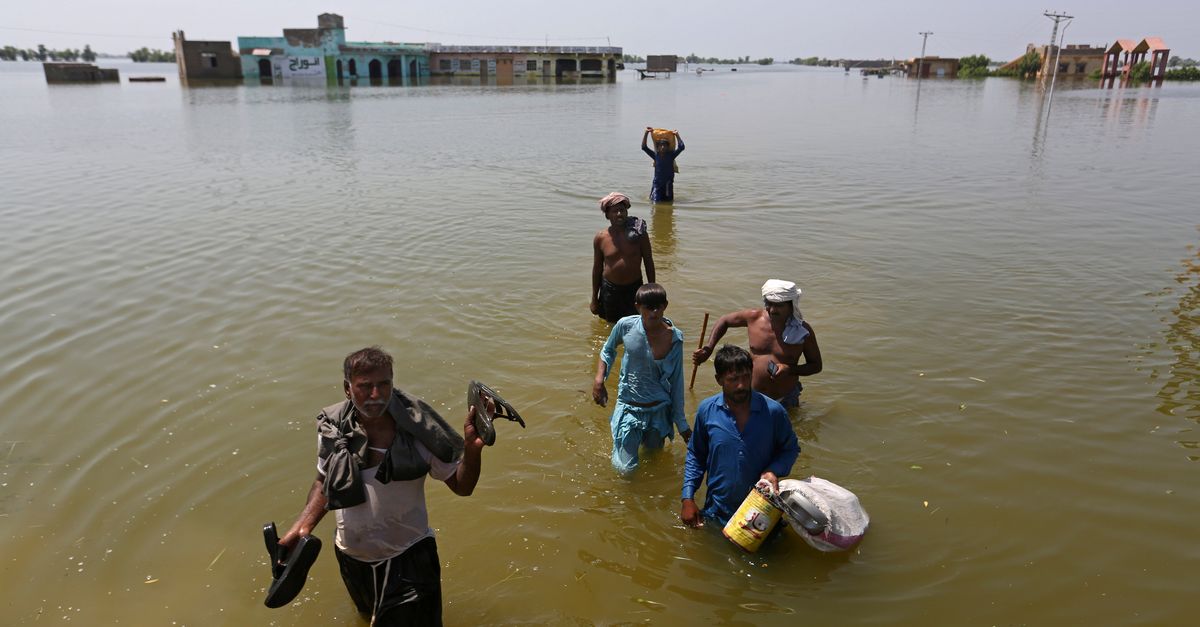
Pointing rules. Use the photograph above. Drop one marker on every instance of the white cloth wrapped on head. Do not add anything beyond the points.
(778, 291)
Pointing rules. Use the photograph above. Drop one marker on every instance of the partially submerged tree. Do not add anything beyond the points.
(1140, 73)
(974, 66)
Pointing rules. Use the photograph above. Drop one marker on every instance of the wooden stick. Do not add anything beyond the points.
(703, 329)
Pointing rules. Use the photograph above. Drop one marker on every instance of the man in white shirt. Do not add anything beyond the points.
(374, 451)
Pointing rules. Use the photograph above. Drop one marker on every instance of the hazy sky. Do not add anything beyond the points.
(782, 29)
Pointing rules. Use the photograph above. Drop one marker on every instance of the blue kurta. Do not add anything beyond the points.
(734, 461)
(662, 188)
(643, 379)
(646, 381)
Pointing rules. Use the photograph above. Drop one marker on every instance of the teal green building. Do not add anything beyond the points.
(324, 53)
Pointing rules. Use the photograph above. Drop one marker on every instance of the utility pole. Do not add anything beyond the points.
(1057, 17)
(1054, 77)
(924, 37)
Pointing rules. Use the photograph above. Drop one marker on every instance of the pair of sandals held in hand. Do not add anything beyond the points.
(289, 568)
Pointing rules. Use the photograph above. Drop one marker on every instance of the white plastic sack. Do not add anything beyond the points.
(848, 521)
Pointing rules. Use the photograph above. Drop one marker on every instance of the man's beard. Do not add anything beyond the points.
(739, 397)
(372, 409)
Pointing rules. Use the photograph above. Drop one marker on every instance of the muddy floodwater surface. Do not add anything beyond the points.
(1007, 300)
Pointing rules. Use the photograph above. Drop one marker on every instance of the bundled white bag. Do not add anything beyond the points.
(826, 515)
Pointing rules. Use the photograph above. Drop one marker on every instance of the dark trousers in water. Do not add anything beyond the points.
(405, 590)
(616, 301)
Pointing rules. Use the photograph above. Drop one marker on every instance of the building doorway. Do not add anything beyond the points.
(339, 70)
(353, 67)
(562, 66)
(264, 68)
(395, 71)
(412, 69)
(375, 70)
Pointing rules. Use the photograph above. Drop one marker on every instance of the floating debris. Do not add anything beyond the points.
(210, 564)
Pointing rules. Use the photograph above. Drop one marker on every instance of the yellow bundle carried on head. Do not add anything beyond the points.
(666, 135)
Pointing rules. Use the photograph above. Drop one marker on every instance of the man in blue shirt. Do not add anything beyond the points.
(650, 392)
(662, 188)
(738, 437)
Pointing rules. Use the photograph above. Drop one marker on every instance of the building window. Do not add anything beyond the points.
(1064, 67)
(209, 59)
(445, 65)
(531, 66)
(1080, 68)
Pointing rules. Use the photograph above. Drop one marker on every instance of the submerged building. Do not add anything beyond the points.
(205, 60)
(1124, 54)
(57, 72)
(323, 52)
(931, 67)
(507, 62)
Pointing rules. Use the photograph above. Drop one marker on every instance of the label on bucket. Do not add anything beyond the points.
(751, 523)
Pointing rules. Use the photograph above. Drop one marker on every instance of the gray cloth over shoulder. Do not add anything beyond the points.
(343, 446)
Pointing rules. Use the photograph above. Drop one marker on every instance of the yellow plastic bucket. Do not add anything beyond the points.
(662, 134)
(752, 522)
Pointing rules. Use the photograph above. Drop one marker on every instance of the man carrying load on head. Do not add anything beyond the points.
(779, 336)
(619, 253)
(662, 189)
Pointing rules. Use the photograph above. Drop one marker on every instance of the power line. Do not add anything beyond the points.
(62, 32)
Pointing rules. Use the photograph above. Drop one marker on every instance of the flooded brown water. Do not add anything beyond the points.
(1007, 302)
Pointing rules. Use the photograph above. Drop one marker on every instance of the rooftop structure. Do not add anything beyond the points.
(206, 60)
(78, 73)
(323, 52)
(1123, 54)
(931, 66)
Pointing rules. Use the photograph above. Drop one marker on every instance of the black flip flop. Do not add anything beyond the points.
(289, 571)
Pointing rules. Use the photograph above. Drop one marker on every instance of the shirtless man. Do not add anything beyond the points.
(779, 336)
(620, 251)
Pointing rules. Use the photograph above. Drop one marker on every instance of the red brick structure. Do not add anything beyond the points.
(1124, 54)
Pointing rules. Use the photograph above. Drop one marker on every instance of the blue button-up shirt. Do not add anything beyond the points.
(736, 460)
(645, 380)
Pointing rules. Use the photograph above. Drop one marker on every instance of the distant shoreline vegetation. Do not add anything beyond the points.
(693, 58)
(815, 61)
(42, 53)
(145, 55)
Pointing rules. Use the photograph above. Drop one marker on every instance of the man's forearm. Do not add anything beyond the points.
(467, 475)
(314, 509)
(806, 369)
(597, 275)
(718, 332)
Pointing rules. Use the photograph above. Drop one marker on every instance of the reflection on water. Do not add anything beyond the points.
(1179, 393)
(662, 234)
